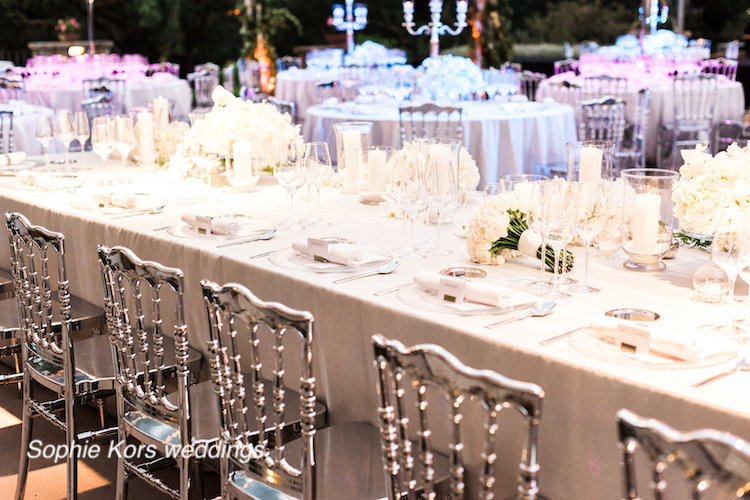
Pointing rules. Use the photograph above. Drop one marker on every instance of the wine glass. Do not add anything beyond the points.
(124, 136)
(406, 188)
(557, 228)
(588, 221)
(290, 173)
(318, 169)
(44, 135)
(102, 142)
(441, 184)
(535, 220)
(726, 252)
(64, 131)
(81, 128)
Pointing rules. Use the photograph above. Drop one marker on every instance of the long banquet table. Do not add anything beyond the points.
(578, 453)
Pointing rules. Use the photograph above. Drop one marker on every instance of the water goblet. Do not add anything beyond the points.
(290, 173)
(441, 184)
(406, 189)
(44, 135)
(318, 169)
(557, 229)
(102, 142)
(726, 252)
(535, 220)
(124, 136)
(81, 128)
(64, 131)
(588, 221)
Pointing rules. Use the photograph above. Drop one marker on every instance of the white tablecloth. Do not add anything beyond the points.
(503, 138)
(66, 94)
(298, 86)
(25, 117)
(578, 453)
(730, 102)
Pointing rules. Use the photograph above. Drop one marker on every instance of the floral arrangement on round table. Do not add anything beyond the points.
(233, 119)
(451, 76)
(68, 29)
(706, 184)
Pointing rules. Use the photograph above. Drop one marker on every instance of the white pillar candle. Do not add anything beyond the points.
(645, 224)
(161, 112)
(144, 127)
(591, 164)
(376, 159)
(352, 152)
(242, 160)
(440, 156)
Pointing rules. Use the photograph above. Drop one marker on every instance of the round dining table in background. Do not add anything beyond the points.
(25, 118)
(502, 137)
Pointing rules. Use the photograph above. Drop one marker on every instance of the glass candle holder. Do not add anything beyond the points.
(590, 161)
(647, 220)
(352, 146)
(373, 174)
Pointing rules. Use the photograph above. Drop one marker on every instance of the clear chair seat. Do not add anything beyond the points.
(349, 465)
(93, 371)
(84, 315)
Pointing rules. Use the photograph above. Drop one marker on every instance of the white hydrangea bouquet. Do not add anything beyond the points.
(707, 184)
(452, 76)
(499, 230)
(233, 119)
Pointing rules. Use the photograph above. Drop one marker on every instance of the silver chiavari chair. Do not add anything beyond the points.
(430, 120)
(707, 459)
(528, 83)
(565, 65)
(288, 62)
(77, 372)
(720, 66)
(203, 82)
(143, 302)
(694, 103)
(596, 87)
(428, 366)
(631, 152)
(113, 88)
(602, 120)
(284, 107)
(164, 67)
(335, 462)
(7, 139)
(729, 132)
(11, 88)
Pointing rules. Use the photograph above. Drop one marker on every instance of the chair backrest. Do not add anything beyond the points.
(7, 138)
(164, 67)
(212, 68)
(141, 298)
(430, 120)
(633, 146)
(720, 66)
(729, 132)
(603, 120)
(565, 65)
(42, 290)
(284, 107)
(203, 82)
(702, 457)
(114, 88)
(11, 88)
(288, 62)
(513, 66)
(326, 90)
(100, 105)
(596, 87)
(528, 83)
(694, 97)
(429, 366)
(239, 320)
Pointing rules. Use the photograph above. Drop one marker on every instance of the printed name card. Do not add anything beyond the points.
(318, 249)
(452, 290)
(203, 224)
(633, 339)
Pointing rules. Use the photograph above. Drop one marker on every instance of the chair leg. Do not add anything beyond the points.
(197, 489)
(26, 427)
(17, 366)
(70, 440)
(102, 416)
(121, 485)
(184, 478)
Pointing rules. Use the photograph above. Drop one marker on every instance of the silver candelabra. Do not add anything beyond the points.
(350, 18)
(435, 27)
(654, 17)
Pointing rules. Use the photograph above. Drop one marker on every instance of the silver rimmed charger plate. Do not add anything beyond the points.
(249, 226)
(291, 259)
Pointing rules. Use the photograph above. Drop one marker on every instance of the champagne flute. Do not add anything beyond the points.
(102, 142)
(726, 252)
(44, 135)
(290, 173)
(588, 222)
(441, 184)
(406, 188)
(558, 229)
(64, 130)
(124, 136)
(536, 221)
(318, 169)
(81, 128)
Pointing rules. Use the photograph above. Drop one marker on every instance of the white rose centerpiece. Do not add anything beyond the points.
(452, 76)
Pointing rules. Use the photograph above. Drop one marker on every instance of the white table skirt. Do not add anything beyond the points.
(68, 95)
(730, 104)
(578, 453)
(503, 138)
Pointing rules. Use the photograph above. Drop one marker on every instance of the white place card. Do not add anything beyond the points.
(203, 224)
(452, 290)
(318, 249)
(633, 339)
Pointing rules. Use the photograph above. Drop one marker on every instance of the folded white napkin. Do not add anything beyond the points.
(663, 341)
(12, 158)
(346, 254)
(121, 200)
(219, 225)
(481, 293)
(42, 181)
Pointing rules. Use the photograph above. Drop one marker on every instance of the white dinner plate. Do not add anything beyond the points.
(64, 183)
(249, 226)
(427, 300)
(292, 259)
(594, 345)
(144, 203)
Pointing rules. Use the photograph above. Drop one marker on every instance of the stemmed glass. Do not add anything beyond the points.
(406, 188)
(588, 222)
(102, 142)
(44, 135)
(318, 169)
(124, 136)
(535, 220)
(726, 252)
(441, 184)
(64, 131)
(557, 228)
(290, 173)
(81, 128)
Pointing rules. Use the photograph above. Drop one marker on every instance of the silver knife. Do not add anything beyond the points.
(265, 236)
(561, 336)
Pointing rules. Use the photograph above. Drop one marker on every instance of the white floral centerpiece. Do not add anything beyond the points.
(707, 184)
(499, 230)
(233, 119)
(451, 76)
